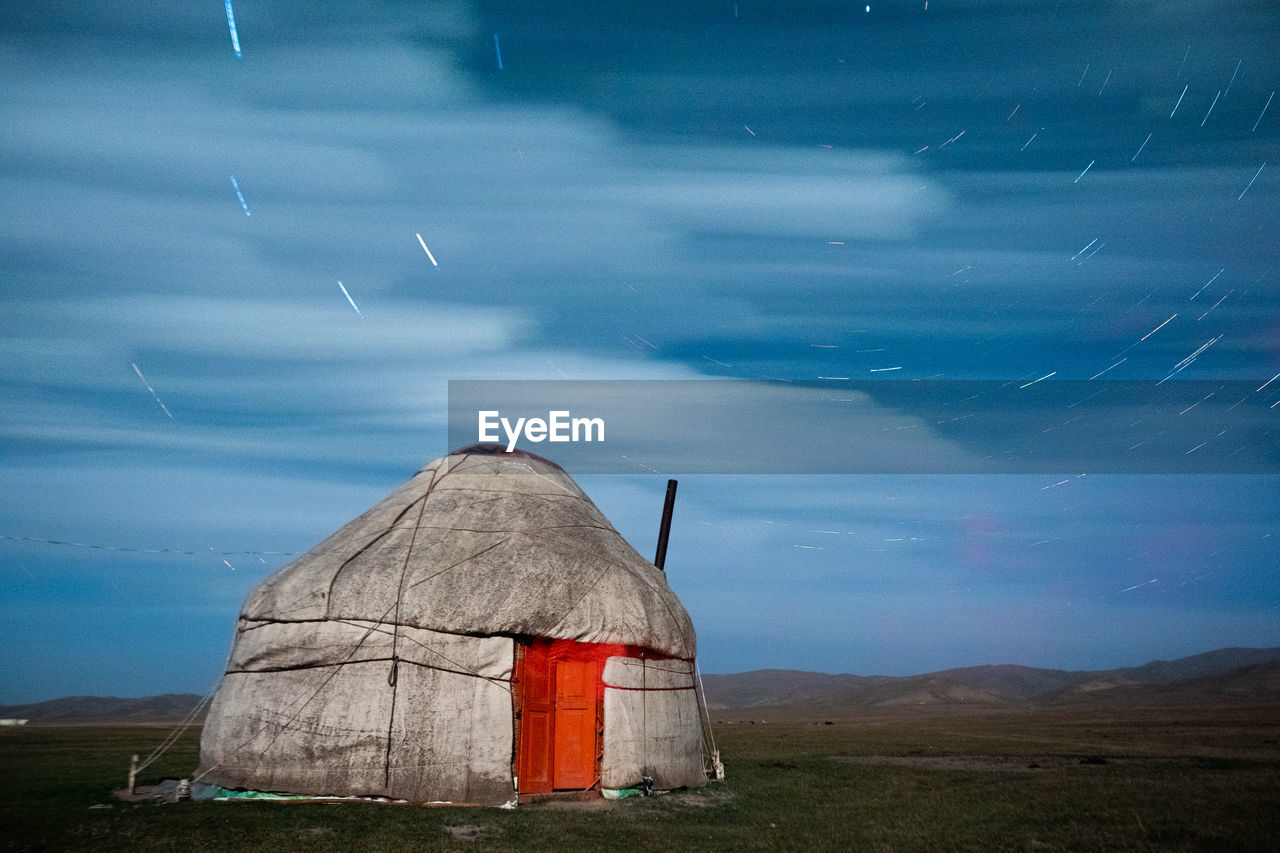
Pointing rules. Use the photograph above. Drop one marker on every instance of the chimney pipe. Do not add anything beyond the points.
(665, 529)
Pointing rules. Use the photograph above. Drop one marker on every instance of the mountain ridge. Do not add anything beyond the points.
(1233, 673)
(166, 707)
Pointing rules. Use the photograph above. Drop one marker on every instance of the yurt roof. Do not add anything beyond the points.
(484, 542)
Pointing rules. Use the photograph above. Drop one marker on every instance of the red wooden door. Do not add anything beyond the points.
(559, 700)
(537, 698)
(574, 765)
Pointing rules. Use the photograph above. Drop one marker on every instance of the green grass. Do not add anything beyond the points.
(1138, 780)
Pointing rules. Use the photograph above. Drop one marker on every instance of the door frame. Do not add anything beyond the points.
(537, 651)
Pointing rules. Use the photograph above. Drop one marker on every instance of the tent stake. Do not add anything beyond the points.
(665, 529)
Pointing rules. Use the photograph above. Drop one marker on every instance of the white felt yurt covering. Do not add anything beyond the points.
(381, 662)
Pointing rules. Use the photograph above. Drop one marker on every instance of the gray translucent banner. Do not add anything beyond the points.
(876, 427)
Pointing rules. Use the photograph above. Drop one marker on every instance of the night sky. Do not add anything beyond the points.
(780, 192)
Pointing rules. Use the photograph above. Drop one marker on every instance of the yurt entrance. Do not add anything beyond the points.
(559, 706)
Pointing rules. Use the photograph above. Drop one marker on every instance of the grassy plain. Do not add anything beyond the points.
(1133, 779)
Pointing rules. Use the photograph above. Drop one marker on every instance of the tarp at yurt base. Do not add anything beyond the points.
(481, 633)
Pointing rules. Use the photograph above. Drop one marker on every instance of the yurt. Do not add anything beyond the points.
(482, 635)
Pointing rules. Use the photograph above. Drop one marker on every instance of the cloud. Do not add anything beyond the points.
(290, 382)
(317, 329)
(783, 191)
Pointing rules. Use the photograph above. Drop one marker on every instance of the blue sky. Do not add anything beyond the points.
(767, 191)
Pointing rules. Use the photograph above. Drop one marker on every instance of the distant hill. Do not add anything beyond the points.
(1239, 674)
(94, 709)
(1227, 673)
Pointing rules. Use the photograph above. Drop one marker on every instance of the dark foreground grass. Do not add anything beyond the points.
(1181, 779)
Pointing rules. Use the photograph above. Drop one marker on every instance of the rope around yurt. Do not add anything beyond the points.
(172, 738)
(711, 755)
(393, 677)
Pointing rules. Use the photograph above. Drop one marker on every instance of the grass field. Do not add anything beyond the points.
(1177, 779)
